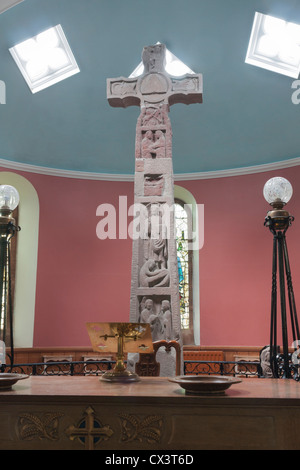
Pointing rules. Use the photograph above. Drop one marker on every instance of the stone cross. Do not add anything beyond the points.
(154, 281)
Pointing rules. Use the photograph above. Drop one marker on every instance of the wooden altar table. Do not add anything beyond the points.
(80, 412)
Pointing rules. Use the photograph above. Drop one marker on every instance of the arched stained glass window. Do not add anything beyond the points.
(184, 259)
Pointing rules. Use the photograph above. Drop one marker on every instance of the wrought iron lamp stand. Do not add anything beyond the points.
(9, 200)
(7, 231)
(278, 221)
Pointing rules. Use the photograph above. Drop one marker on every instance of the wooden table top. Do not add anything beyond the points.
(150, 389)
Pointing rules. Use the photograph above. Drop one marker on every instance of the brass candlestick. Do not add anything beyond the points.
(120, 338)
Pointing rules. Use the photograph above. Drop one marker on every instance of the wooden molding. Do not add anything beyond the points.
(290, 162)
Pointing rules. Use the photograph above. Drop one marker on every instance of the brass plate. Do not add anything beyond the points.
(8, 380)
(204, 384)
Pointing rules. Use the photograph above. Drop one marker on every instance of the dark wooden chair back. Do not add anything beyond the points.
(147, 366)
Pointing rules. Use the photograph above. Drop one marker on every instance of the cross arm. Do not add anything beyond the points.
(186, 90)
(122, 92)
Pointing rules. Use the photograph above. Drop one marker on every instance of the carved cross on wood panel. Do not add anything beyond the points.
(89, 431)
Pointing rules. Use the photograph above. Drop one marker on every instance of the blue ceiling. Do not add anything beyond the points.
(247, 116)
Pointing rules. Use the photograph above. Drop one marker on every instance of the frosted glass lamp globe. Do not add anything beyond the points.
(277, 190)
(9, 197)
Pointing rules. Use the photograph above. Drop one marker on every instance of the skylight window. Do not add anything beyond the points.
(174, 66)
(6, 4)
(45, 59)
(275, 45)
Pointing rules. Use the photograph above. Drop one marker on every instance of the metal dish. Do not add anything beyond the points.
(8, 380)
(204, 384)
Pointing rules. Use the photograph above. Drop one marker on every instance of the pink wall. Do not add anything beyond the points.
(236, 259)
(81, 278)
